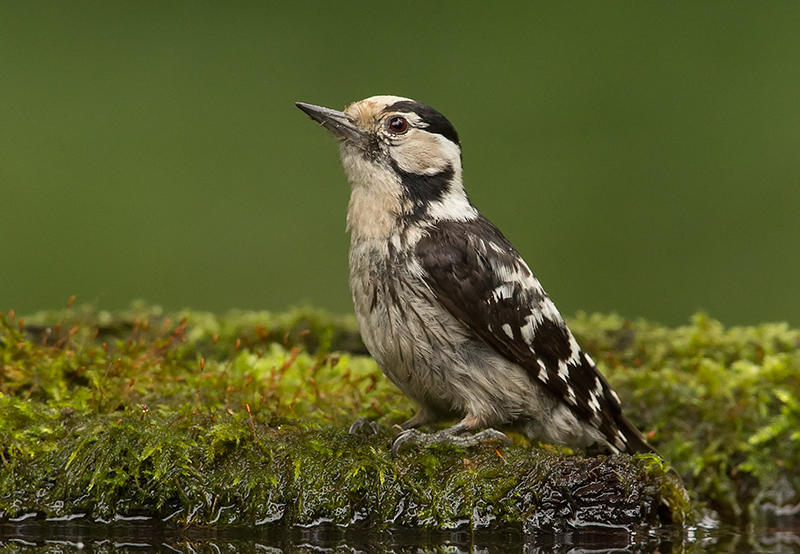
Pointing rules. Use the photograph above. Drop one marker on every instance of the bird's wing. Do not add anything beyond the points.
(478, 276)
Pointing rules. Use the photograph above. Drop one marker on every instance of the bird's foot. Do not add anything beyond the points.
(363, 426)
(446, 436)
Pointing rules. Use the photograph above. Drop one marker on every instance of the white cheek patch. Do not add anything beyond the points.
(424, 153)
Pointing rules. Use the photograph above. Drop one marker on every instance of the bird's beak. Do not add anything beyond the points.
(339, 123)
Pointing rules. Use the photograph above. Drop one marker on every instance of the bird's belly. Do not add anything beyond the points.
(431, 356)
(412, 341)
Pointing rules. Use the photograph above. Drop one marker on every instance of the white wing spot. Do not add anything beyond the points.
(621, 436)
(543, 376)
(496, 248)
(529, 329)
(563, 372)
(521, 275)
(571, 396)
(589, 358)
(506, 290)
(549, 311)
(593, 403)
(614, 394)
(508, 331)
(574, 349)
(598, 386)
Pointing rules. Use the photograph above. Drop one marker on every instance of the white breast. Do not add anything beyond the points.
(404, 329)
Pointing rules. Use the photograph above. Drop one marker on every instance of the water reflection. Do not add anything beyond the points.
(42, 536)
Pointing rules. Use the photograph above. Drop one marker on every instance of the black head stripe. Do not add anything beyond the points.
(437, 123)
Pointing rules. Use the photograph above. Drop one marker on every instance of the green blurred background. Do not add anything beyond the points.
(642, 156)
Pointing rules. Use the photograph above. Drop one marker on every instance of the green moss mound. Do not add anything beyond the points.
(197, 419)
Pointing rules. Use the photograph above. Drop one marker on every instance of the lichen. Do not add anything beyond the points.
(242, 419)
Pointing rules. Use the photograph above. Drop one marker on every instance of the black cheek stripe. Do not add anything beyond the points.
(422, 190)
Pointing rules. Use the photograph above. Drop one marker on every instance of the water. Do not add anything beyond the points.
(141, 536)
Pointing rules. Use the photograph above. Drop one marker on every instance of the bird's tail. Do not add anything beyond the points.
(634, 440)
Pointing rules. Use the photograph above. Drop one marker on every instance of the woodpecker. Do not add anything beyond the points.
(446, 305)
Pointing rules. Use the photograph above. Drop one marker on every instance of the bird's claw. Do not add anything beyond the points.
(412, 436)
(363, 426)
(409, 435)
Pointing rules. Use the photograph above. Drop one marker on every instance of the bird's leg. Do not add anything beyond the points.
(450, 435)
(363, 426)
(422, 417)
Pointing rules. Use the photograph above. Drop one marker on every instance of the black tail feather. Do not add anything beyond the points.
(634, 440)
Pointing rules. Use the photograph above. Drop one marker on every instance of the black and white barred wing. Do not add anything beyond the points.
(476, 274)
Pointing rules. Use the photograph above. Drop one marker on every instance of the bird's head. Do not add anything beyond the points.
(402, 157)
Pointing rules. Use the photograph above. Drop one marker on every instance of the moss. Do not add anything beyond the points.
(199, 419)
(720, 404)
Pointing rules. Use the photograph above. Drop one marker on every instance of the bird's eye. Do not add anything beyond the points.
(397, 125)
